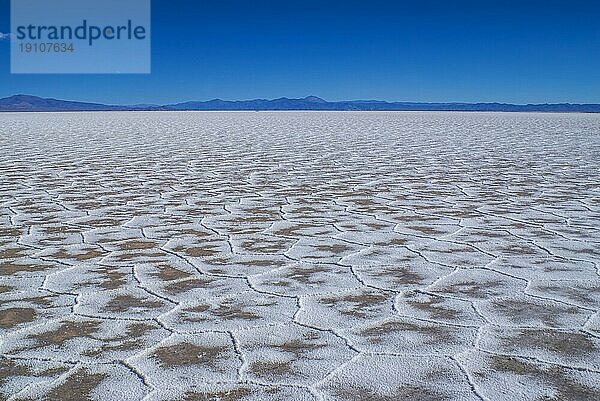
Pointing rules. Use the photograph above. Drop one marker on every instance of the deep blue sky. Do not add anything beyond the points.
(486, 50)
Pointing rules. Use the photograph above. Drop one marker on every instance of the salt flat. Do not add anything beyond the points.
(299, 256)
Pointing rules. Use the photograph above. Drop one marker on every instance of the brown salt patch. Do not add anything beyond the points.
(406, 392)
(65, 332)
(261, 246)
(10, 232)
(556, 377)
(185, 354)
(365, 202)
(89, 254)
(228, 310)
(241, 230)
(79, 386)
(463, 214)
(218, 261)
(9, 369)
(280, 283)
(395, 241)
(519, 310)
(6, 288)
(103, 222)
(402, 275)
(433, 307)
(236, 394)
(270, 368)
(122, 303)
(490, 234)
(306, 275)
(518, 250)
(262, 211)
(566, 344)
(41, 209)
(12, 317)
(292, 231)
(45, 301)
(13, 253)
(414, 218)
(81, 255)
(585, 251)
(198, 252)
(300, 347)
(360, 302)
(433, 334)
(42, 219)
(141, 257)
(187, 285)
(138, 329)
(473, 288)
(130, 340)
(172, 221)
(334, 249)
(10, 268)
(457, 249)
(169, 273)
(263, 263)
(217, 271)
(89, 205)
(113, 278)
(305, 210)
(61, 230)
(137, 245)
(376, 226)
(584, 295)
(252, 219)
(170, 232)
(426, 230)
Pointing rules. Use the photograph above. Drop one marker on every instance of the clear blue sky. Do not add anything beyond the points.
(486, 50)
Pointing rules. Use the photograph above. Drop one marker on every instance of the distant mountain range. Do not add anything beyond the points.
(26, 103)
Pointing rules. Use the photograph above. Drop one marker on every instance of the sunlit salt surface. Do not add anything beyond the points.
(299, 256)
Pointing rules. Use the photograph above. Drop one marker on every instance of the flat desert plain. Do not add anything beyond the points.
(299, 256)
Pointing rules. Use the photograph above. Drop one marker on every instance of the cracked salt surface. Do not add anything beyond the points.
(299, 256)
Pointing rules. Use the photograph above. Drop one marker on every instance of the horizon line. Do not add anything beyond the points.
(314, 98)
